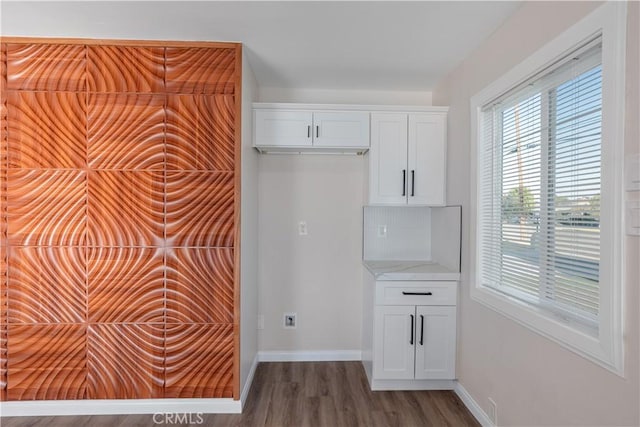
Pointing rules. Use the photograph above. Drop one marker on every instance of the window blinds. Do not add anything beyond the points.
(539, 191)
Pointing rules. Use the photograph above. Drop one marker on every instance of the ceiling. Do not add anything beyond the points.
(364, 45)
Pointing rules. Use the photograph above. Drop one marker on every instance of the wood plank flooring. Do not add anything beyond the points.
(323, 394)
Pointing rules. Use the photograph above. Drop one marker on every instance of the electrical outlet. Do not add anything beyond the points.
(260, 321)
(493, 411)
(302, 228)
(289, 321)
(382, 231)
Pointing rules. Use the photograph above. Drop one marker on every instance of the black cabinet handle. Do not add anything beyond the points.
(416, 293)
(309, 131)
(413, 183)
(411, 338)
(404, 182)
(421, 329)
(317, 131)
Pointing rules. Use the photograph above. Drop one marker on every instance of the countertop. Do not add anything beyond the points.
(410, 270)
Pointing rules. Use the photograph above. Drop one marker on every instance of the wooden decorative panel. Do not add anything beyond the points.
(125, 69)
(126, 208)
(126, 131)
(126, 285)
(47, 285)
(49, 67)
(3, 362)
(125, 361)
(200, 132)
(46, 129)
(199, 209)
(200, 71)
(200, 285)
(46, 362)
(118, 207)
(199, 360)
(46, 207)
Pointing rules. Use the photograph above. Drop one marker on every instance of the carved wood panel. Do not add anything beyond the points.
(118, 207)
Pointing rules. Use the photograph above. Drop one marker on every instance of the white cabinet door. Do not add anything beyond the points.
(393, 347)
(435, 342)
(282, 128)
(388, 159)
(427, 159)
(341, 129)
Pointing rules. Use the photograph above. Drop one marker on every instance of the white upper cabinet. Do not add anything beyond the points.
(408, 158)
(321, 131)
(283, 128)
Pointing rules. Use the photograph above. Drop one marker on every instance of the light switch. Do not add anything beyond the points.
(632, 172)
(302, 228)
(632, 209)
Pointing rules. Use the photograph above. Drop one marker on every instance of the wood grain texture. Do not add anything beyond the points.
(46, 362)
(46, 208)
(199, 287)
(125, 208)
(125, 69)
(126, 285)
(47, 285)
(126, 131)
(199, 360)
(200, 209)
(200, 133)
(48, 67)
(73, 41)
(200, 70)
(46, 129)
(125, 361)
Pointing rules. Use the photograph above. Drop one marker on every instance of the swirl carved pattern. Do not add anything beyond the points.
(125, 361)
(118, 167)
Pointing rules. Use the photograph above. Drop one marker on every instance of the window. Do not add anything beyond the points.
(547, 237)
(541, 177)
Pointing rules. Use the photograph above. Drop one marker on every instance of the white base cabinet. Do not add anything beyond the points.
(409, 335)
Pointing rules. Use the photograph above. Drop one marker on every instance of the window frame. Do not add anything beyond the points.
(603, 346)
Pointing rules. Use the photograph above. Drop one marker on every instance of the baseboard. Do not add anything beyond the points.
(247, 385)
(388, 385)
(310, 356)
(120, 407)
(473, 406)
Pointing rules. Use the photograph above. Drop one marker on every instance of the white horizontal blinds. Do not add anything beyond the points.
(540, 187)
(573, 204)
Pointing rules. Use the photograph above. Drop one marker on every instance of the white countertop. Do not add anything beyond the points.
(410, 270)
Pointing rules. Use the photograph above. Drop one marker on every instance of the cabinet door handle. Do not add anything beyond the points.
(421, 329)
(416, 293)
(413, 183)
(317, 131)
(404, 182)
(308, 131)
(411, 337)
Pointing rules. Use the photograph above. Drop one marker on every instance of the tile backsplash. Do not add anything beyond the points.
(397, 233)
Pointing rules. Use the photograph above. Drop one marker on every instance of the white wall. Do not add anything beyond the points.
(533, 380)
(248, 230)
(323, 96)
(318, 276)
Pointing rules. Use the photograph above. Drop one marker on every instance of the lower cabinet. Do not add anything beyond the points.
(414, 342)
(410, 342)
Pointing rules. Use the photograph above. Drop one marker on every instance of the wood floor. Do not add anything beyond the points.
(327, 394)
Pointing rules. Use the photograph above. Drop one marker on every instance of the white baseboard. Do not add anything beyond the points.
(120, 407)
(247, 385)
(310, 356)
(473, 406)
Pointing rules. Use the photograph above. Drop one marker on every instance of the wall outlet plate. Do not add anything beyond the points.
(289, 321)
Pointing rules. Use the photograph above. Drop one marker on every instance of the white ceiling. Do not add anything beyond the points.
(388, 45)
